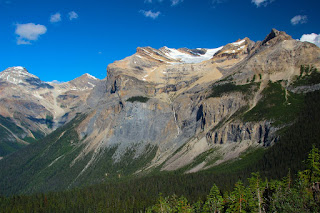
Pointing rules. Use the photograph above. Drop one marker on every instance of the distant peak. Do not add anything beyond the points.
(275, 36)
(17, 75)
(90, 76)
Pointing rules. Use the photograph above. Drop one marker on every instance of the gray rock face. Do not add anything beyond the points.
(262, 133)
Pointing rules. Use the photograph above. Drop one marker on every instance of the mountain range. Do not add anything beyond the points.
(185, 110)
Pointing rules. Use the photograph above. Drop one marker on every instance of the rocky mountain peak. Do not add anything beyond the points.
(16, 75)
(84, 82)
(275, 36)
(18, 68)
(89, 76)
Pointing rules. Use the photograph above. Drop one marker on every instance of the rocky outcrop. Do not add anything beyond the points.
(235, 132)
(274, 37)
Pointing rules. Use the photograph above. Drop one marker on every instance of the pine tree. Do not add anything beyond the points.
(312, 172)
(214, 201)
(237, 199)
(256, 189)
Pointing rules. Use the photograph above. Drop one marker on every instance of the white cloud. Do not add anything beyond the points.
(261, 2)
(176, 2)
(150, 14)
(73, 15)
(29, 32)
(22, 41)
(312, 38)
(299, 19)
(55, 18)
(150, 1)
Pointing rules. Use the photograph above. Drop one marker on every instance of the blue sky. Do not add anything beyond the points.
(63, 39)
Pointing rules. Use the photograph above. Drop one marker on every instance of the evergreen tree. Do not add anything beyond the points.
(237, 199)
(311, 175)
(256, 188)
(214, 201)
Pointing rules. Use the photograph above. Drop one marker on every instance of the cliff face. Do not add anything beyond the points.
(167, 107)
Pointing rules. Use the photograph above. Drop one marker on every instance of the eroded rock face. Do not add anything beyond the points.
(261, 132)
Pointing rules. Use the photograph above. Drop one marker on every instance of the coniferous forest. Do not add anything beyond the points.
(299, 194)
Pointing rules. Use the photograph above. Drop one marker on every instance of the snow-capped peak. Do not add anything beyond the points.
(90, 76)
(19, 68)
(16, 75)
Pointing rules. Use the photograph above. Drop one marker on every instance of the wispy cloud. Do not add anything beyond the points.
(299, 19)
(173, 2)
(56, 82)
(214, 3)
(150, 14)
(73, 15)
(312, 38)
(259, 3)
(176, 2)
(55, 18)
(29, 32)
(150, 1)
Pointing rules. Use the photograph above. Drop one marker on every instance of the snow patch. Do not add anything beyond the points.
(91, 84)
(239, 42)
(191, 59)
(18, 68)
(230, 51)
(90, 76)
